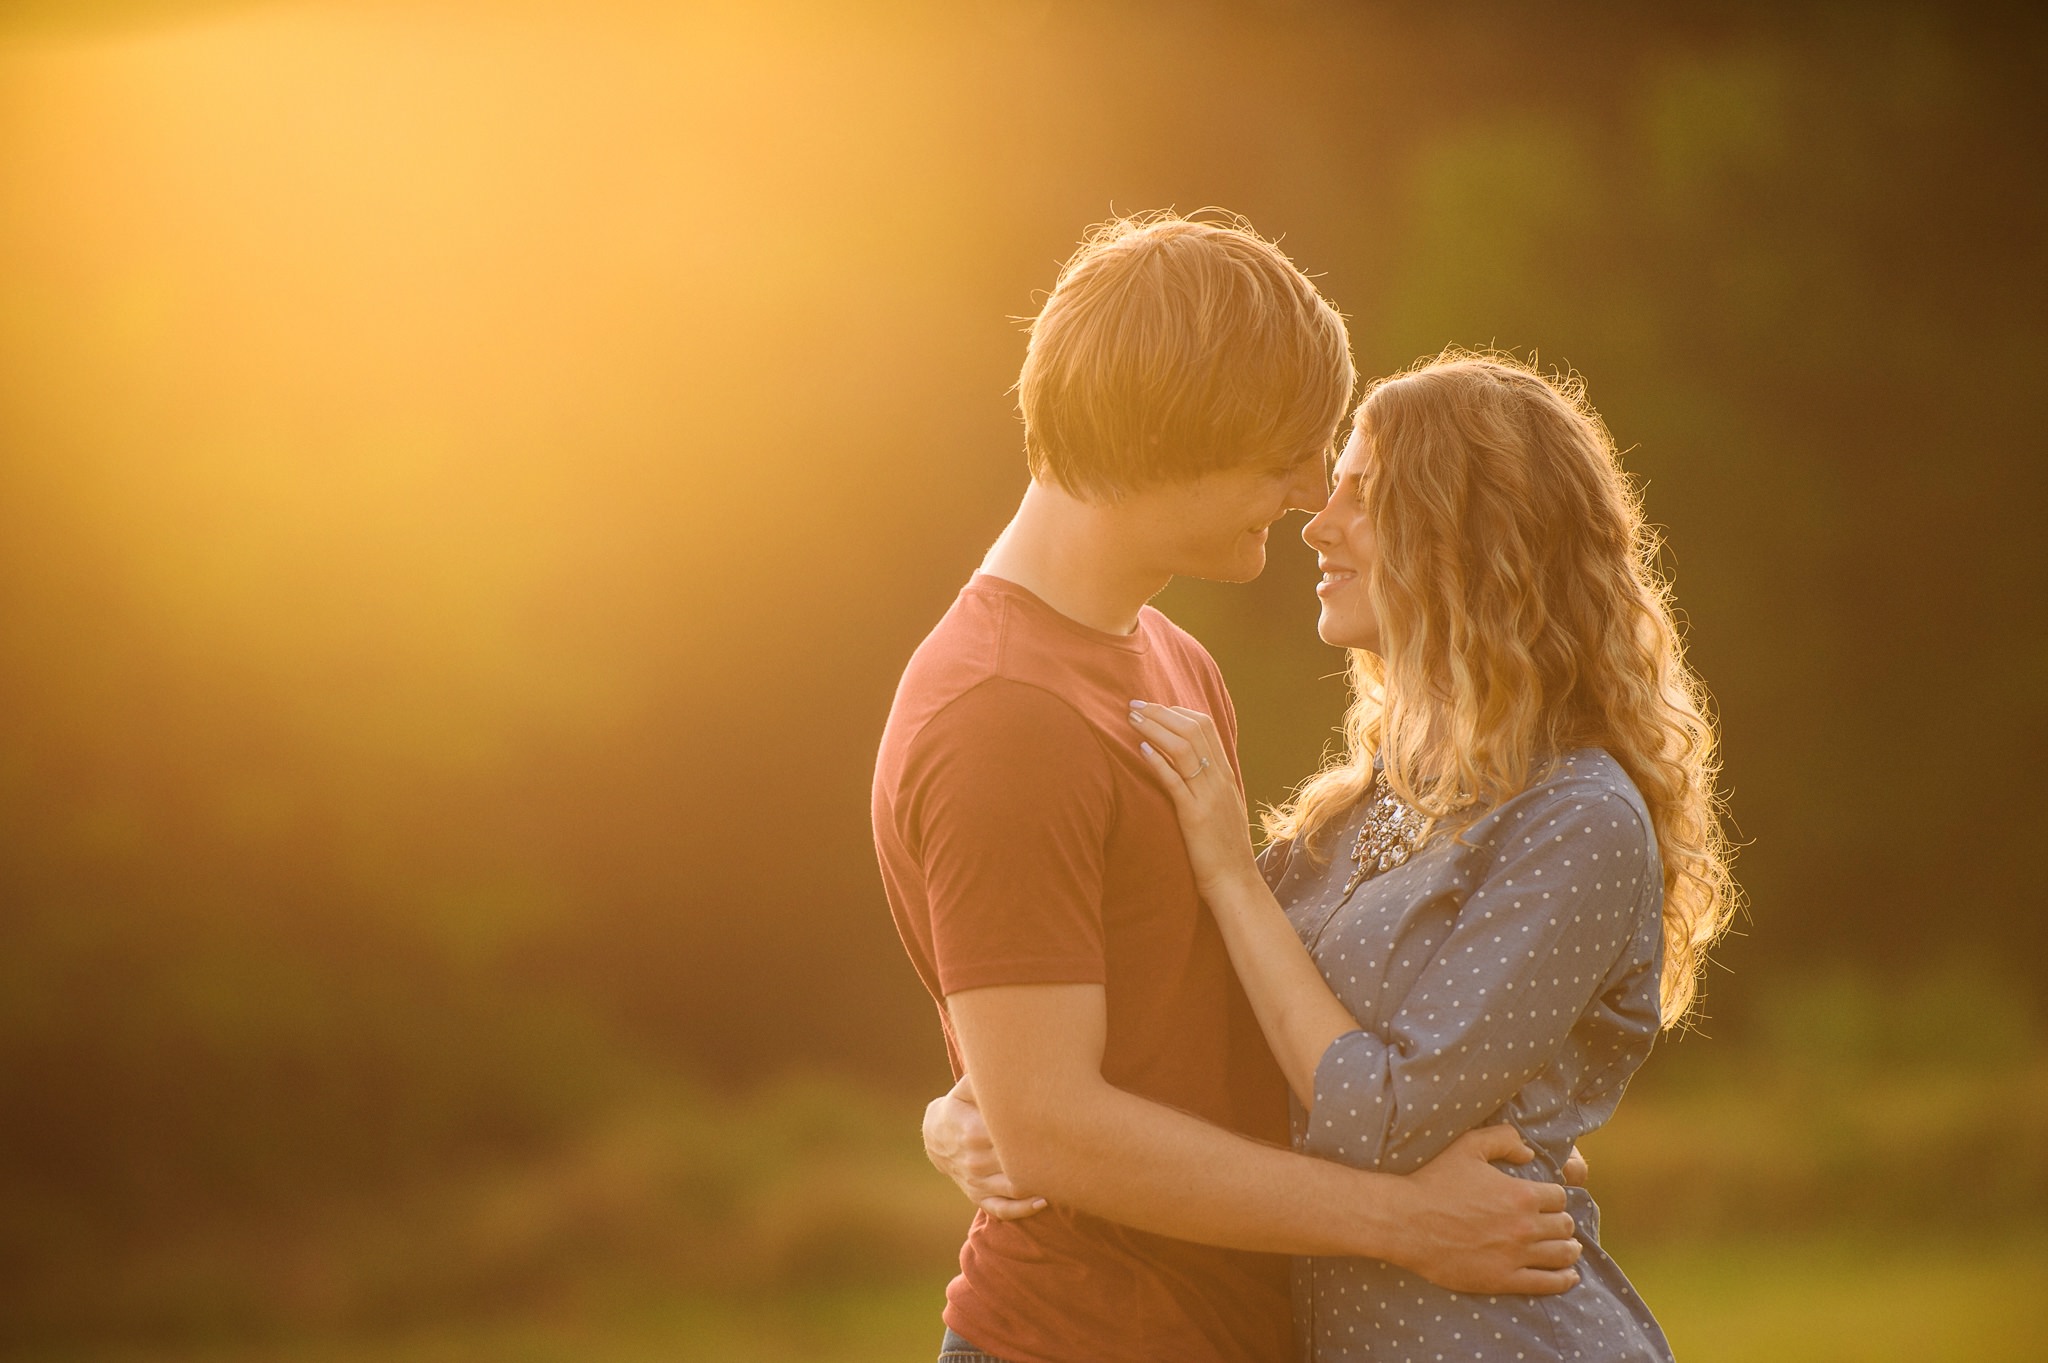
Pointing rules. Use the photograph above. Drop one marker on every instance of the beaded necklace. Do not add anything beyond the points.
(1391, 830)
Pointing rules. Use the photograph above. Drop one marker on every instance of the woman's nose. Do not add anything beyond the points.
(1316, 533)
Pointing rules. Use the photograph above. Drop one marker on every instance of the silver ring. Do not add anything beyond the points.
(1199, 770)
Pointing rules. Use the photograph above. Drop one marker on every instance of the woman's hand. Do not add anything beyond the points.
(1187, 757)
(1298, 1014)
(957, 1142)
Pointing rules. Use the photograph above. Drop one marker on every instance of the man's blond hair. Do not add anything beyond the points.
(1172, 347)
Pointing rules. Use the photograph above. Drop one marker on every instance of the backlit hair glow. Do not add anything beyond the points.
(1522, 615)
(1172, 347)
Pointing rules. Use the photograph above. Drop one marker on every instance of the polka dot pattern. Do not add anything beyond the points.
(1505, 973)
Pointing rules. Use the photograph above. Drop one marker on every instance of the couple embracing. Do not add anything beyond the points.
(1318, 1102)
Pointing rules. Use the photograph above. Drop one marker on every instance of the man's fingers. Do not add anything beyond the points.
(1555, 1254)
(1011, 1208)
(1575, 1171)
(1556, 1226)
(1541, 1282)
(1501, 1142)
(1549, 1197)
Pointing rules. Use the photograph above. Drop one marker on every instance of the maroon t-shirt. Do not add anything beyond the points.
(1023, 841)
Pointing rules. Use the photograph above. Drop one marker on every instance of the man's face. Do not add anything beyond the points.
(1215, 527)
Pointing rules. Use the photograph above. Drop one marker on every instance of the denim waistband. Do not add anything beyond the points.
(953, 1349)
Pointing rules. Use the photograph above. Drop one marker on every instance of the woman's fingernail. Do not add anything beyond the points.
(1137, 705)
(1146, 746)
(1137, 718)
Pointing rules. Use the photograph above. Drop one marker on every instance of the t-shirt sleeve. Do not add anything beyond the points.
(1012, 800)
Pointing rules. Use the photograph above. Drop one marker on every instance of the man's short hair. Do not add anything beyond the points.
(1172, 347)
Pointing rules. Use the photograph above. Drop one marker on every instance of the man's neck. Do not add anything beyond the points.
(1077, 557)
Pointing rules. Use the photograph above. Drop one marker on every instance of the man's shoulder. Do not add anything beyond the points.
(997, 755)
(964, 650)
(960, 692)
(1184, 654)
(1169, 635)
(999, 715)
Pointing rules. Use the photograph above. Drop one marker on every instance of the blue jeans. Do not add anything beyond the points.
(953, 1349)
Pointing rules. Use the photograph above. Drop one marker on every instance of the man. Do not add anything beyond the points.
(1180, 393)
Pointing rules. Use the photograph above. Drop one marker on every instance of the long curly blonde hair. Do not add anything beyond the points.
(1522, 615)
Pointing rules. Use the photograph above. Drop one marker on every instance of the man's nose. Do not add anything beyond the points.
(1309, 490)
(1316, 533)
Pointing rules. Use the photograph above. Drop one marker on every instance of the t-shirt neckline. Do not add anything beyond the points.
(1138, 640)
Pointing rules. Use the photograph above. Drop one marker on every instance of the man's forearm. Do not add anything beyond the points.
(1118, 1156)
(1066, 1133)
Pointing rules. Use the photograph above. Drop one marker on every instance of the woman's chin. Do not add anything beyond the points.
(1336, 635)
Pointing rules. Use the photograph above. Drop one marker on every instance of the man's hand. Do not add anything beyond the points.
(1473, 1228)
(1575, 1171)
(957, 1142)
(1035, 1052)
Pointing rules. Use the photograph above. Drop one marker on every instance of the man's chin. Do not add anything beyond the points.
(1251, 559)
(1240, 569)
(1244, 561)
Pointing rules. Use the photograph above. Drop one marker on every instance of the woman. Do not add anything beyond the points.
(1489, 905)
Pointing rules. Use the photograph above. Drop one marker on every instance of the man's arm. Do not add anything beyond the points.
(1036, 1055)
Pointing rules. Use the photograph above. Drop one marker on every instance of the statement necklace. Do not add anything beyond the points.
(1390, 832)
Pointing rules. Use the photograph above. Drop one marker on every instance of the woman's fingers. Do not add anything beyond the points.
(1178, 748)
(1167, 774)
(1186, 723)
(1192, 726)
(1171, 746)
(1205, 727)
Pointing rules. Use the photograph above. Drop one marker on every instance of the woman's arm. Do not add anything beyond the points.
(1568, 892)
(1559, 911)
(1298, 1013)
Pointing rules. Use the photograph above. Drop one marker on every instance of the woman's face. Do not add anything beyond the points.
(1347, 551)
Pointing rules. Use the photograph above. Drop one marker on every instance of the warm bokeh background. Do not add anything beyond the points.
(470, 474)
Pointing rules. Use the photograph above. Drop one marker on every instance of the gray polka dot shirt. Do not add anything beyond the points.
(1506, 972)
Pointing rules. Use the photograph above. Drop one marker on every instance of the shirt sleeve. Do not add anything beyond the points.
(1562, 896)
(1012, 801)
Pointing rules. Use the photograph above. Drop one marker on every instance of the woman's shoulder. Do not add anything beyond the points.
(1574, 781)
(1589, 770)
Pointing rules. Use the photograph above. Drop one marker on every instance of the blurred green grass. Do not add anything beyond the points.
(1799, 1301)
(1865, 1300)
(1861, 1180)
